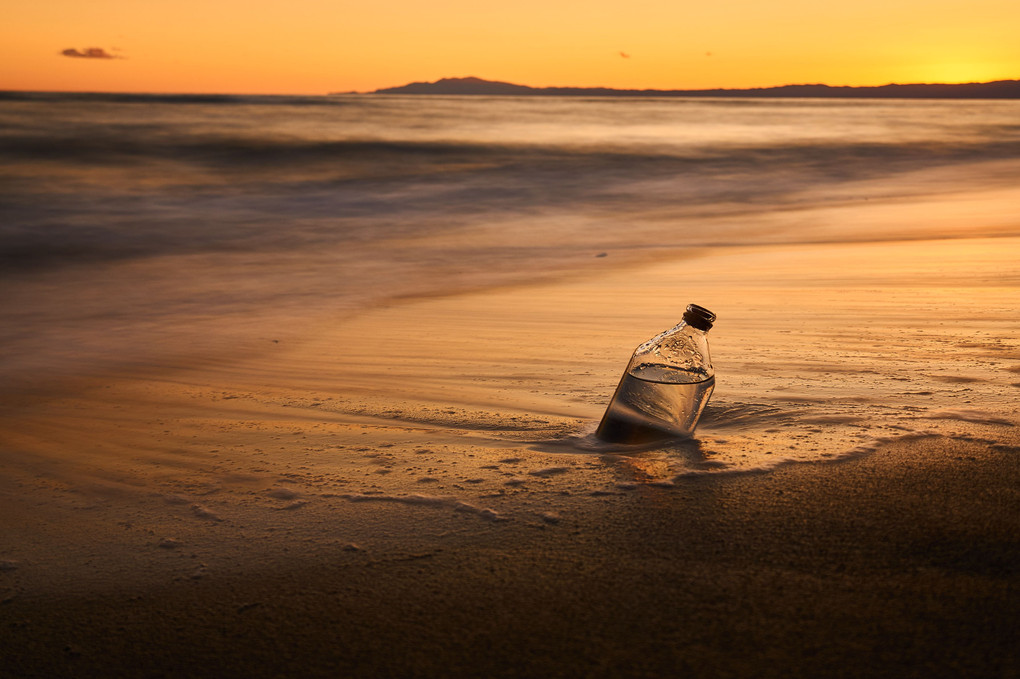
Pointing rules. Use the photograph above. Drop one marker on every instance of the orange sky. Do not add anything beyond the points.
(318, 46)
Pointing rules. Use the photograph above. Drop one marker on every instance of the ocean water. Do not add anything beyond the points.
(171, 230)
(100, 178)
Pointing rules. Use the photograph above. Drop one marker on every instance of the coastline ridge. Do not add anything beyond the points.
(473, 86)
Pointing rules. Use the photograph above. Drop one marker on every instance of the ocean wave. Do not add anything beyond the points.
(137, 143)
(95, 177)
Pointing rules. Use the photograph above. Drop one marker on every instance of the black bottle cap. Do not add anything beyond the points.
(699, 317)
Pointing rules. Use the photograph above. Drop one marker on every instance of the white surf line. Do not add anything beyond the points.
(430, 501)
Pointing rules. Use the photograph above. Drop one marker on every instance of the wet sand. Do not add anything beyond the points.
(903, 565)
(410, 491)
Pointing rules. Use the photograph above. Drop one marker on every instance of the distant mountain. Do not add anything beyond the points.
(1001, 89)
(461, 86)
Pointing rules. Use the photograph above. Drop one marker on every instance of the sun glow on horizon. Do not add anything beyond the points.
(317, 46)
(958, 73)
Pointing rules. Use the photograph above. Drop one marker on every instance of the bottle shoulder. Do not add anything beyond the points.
(680, 355)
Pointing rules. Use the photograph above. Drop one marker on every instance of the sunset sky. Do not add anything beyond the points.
(319, 46)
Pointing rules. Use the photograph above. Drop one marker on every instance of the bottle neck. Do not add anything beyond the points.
(689, 330)
(693, 329)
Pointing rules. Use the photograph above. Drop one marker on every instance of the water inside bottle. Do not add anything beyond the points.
(653, 403)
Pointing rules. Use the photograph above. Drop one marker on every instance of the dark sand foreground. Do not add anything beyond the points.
(878, 567)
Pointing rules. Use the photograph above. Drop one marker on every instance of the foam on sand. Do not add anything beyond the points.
(431, 501)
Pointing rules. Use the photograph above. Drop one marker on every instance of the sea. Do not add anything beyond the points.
(121, 215)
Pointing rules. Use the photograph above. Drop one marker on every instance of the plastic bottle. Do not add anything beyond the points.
(666, 385)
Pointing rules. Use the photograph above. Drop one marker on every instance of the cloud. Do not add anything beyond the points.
(88, 53)
(624, 55)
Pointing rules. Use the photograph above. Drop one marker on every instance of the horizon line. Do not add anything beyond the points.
(756, 88)
(751, 87)
(383, 90)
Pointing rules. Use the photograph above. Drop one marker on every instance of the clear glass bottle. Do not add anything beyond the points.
(666, 385)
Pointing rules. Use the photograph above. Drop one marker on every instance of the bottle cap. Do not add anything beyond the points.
(699, 317)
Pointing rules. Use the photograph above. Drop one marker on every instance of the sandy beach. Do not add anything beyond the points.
(521, 340)
(413, 490)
